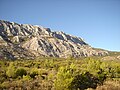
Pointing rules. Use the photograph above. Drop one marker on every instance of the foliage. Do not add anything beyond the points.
(34, 72)
(27, 77)
(21, 72)
(11, 70)
(84, 81)
(64, 77)
(59, 74)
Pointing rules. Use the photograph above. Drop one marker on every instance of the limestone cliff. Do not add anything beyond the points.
(29, 41)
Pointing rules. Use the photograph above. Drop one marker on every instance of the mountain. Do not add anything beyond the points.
(28, 41)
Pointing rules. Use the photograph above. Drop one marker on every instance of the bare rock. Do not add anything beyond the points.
(36, 40)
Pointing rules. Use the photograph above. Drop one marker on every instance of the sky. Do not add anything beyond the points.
(96, 21)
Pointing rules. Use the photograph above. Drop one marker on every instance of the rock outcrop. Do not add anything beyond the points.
(28, 41)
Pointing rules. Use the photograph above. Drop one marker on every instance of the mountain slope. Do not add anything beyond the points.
(28, 41)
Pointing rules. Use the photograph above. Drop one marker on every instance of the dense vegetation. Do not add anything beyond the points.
(60, 74)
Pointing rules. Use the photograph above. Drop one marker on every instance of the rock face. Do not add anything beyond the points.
(28, 41)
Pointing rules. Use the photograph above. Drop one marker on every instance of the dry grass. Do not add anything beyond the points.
(110, 85)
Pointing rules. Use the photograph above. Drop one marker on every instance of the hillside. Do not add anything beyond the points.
(29, 41)
(36, 58)
(91, 73)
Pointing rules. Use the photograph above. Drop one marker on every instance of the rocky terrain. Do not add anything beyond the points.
(28, 41)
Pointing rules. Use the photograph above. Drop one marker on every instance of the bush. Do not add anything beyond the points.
(59, 74)
(64, 77)
(34, 72)
(21, 72)
(27, 77)
(49, 63)
(84, 81)
(11, 70)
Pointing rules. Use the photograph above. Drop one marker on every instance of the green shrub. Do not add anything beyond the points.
(84, 81)
(11, 70)
(64, 77)
(34, 72)
(3, 75)
(37, 65)
(27, 77)
(58, 74)
(21, 72)
(5, 84)
(49, 63)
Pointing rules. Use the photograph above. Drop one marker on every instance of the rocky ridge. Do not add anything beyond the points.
(29, 41)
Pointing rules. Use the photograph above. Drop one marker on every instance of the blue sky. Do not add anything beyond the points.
(96, 21)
